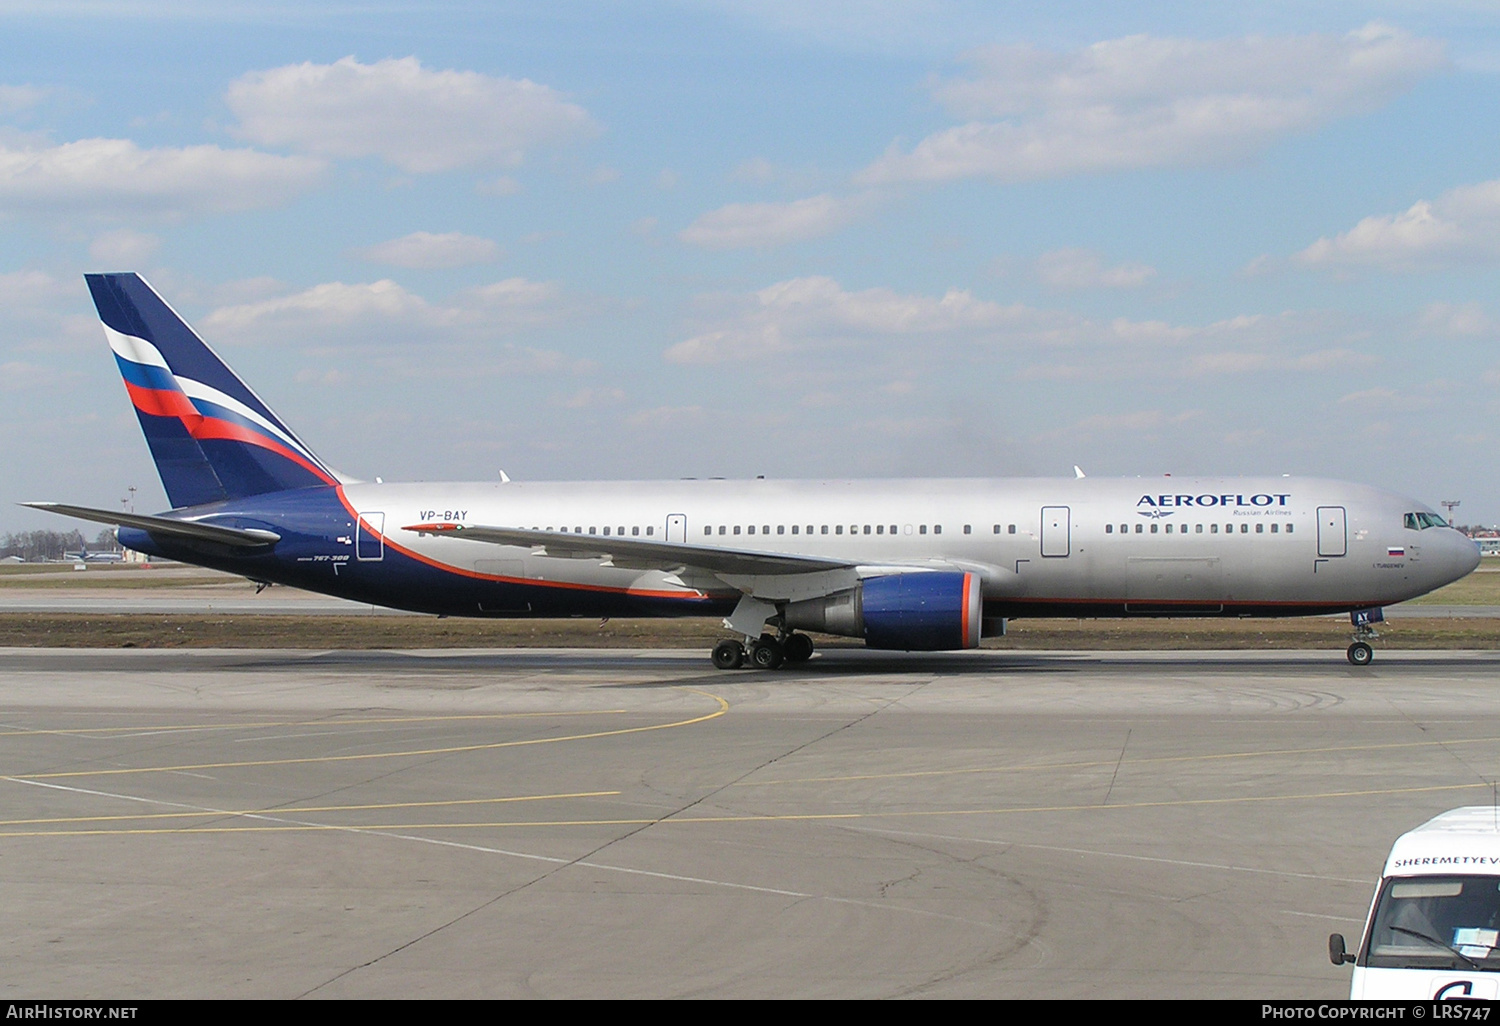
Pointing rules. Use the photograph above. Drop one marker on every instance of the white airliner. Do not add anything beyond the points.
(902, 564)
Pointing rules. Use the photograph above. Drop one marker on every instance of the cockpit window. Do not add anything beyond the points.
(1437, 922)
(1422, 521)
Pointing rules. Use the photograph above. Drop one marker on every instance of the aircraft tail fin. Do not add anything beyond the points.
(212, 437)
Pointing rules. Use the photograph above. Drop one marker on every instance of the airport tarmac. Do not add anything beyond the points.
(632, 824)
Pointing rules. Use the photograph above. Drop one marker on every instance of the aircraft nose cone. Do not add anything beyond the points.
(1460, 556)
(1468, 556)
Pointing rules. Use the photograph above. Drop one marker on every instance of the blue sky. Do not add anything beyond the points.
(611, 240)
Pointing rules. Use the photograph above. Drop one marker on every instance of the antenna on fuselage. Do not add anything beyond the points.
(1078, 472)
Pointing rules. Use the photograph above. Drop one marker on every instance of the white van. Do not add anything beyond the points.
(1434, 926)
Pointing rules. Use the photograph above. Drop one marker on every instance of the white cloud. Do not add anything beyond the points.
(501, 186)
(589, 398)
(907, 336)
(17, 98)
(115, 177)
(663, 417)
(793, 314)
(338, 315)
(1460, 319)
(417, 119)
(31, 289)
(1460, 226)
(123, 248)
(1142, 101)
(763, 225)
(1084, 269)
(426, 251)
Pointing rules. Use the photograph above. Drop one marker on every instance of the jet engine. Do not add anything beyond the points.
(917, 612)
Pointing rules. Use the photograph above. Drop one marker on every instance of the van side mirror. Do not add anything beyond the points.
(1336, 952)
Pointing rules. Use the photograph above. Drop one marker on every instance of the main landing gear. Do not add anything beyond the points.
(1360, 653)
(767, 652)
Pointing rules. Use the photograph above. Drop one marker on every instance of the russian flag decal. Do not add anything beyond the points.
(1393, 551)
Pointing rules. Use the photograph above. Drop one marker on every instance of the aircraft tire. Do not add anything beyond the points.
(767, 655)
(1360, 654)
(729, 655)
(798, 648)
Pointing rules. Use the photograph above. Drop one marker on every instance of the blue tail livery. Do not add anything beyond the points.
(211, 436)
(919, 565)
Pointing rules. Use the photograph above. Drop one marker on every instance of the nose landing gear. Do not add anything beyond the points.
(1360, 653)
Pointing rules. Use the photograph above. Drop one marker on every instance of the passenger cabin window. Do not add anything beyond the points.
(1155, 528)
(968, 529)
(1139, 528)
(1288, 528)
(636, 530)
(922, 529)
(1109, 528)
(937, 528)
(1260, 528)
(1011, 529)
(650, 531)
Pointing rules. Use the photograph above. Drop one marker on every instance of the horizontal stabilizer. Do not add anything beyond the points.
(638, 553)
(242, 537)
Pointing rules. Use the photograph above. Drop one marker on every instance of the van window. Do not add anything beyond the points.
(1437, 922)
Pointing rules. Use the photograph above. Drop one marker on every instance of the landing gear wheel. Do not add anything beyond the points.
(1360, 654)
(798, 648)
(766, 655)
(729, 655)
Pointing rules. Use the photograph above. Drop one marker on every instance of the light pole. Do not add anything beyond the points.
(1450, 505)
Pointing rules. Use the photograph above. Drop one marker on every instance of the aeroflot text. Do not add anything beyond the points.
(1214, 500)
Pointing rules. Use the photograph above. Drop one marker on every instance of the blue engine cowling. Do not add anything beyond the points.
(916, 612)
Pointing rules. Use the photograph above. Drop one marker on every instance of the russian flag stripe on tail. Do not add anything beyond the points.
(211, 436)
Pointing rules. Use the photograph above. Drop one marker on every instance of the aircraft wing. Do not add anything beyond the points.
(636, 553)
(240, 537)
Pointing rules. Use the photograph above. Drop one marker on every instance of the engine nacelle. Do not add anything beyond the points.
(917, 612)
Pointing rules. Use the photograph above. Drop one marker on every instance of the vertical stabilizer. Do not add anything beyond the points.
(211, 436)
